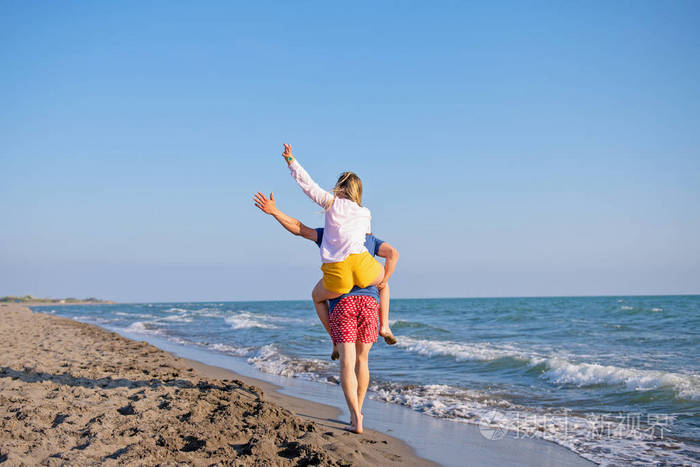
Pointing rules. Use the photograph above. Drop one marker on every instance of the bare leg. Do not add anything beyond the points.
(348, 381)
(362, 371)
(323, 315)
(322, 310)
(320, 296)
(384, 329)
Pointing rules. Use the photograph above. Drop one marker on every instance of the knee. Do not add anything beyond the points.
(347, 363)
(362, 360)
(317, 293)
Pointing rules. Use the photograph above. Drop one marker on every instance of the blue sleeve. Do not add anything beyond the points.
(319, 236)
(372, 244)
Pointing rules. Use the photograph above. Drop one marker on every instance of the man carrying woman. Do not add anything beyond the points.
(353, 321)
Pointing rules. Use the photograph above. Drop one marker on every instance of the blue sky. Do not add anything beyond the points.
(506, 148)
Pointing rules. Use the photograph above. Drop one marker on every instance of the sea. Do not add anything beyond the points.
(614, 379)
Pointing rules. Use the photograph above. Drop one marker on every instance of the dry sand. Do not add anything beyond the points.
(72, 393)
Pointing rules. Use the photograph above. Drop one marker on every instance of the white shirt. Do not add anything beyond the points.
(346, 222)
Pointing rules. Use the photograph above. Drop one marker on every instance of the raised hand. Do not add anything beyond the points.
(287, 154)
(264, 204)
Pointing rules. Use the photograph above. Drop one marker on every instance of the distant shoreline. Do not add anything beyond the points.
(36, 302)
(28, 300)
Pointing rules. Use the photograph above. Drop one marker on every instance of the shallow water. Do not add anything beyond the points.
(615, 379)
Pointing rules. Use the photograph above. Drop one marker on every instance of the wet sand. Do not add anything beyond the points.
(73, 393)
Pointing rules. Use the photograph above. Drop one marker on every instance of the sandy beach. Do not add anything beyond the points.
(73, 393)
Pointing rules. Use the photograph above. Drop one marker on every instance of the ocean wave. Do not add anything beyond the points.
(142, 327)
(607, 439)
(208, 312)
(181, 340)
(230, 349)
(269, 359)
(560, 370)
(133, 315)
(92, 319)
(437, 399)
(245, 320)
(183, 318)
(460, 351)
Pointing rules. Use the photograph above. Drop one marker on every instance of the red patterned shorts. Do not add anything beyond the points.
(355, 319)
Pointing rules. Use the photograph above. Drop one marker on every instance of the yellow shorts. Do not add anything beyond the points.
(356, 270)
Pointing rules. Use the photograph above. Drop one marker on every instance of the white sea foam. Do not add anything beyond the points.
(593, 436)
(180, 340)
(460, 351)
(626, 307)
(207, 312)
(230, 349)
(133, 315)
(438, 400)
(174, 310)
(657, 309)
(183, 318)
(269, 359)
(141, 327)
(561, 370)
(245, 320)
(94, 319)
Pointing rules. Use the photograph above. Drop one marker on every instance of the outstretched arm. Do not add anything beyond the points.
(391, 255)
(317, 194)
(294, 226)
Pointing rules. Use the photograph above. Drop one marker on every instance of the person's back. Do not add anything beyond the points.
(346, 224)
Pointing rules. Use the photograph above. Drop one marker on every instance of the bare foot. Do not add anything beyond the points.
(357, 427)
(335, 355)
(388, 336)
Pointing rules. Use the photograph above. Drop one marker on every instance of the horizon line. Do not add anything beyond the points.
(128, 302)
